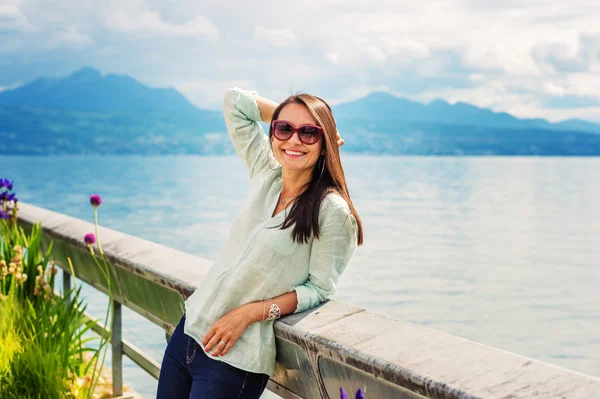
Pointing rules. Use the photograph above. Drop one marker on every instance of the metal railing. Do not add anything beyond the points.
(318, 351)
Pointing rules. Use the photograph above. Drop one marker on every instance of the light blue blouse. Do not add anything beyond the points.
(257, 262)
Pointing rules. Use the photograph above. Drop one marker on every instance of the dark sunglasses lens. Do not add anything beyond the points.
(283, 130)
(309, 134)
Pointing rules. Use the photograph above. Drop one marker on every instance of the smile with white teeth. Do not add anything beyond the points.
(293, 152)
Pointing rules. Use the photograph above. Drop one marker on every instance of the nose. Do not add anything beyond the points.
(295, 139)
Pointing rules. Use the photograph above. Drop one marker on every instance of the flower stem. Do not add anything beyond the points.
(96, 229)
(106, 270)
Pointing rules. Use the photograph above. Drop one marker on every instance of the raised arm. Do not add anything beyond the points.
(266, 107)
(242, 111)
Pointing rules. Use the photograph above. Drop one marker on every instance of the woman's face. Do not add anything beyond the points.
(297, 115)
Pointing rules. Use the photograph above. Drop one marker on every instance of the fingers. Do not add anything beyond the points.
(212, 343)
(218, 348)
(208, 336)
(222, 347)
(340, 140)
(216, 345)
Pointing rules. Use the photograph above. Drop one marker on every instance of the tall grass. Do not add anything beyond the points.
(28, 371)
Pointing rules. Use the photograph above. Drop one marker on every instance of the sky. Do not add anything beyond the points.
(531, 58)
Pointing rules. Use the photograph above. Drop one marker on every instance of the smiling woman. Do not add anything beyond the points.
(286, 251)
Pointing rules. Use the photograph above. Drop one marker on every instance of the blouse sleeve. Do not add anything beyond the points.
(242, 115)
(329, 257)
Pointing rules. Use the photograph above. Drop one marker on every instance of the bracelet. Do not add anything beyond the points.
(274, 312)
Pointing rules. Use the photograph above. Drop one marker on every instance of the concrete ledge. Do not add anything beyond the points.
(327, 347)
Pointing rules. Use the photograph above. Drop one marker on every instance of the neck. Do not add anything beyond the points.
(292, 181)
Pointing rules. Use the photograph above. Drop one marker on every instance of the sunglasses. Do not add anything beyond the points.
(308, 134)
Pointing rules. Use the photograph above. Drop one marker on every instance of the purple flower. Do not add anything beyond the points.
(359, 394)
(95, 200)
(11, 197)
(89, 239)
(4, 196)
(4, 215)
(6, 183)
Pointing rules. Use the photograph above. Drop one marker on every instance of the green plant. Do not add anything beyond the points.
(29, 372)
(43, 335)
(21, 256)
(43, 347)
(42, 343)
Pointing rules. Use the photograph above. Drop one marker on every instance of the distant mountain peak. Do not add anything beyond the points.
(381, 105)
(86, 73)
(87, 89)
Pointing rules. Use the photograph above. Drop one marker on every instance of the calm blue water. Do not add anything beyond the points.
(503, 251)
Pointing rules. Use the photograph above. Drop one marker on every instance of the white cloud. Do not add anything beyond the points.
(70, 37)
(363, 51)
(356, 92)
(274, 37)
(12, 19)
(141, 20)
(497, 39)
(207, 93)
(554, 89)
(583, 83)
(477, 77)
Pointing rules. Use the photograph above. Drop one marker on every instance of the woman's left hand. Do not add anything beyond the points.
(228, 328)
(339, 139)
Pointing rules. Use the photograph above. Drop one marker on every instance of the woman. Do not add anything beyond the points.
(288, 246)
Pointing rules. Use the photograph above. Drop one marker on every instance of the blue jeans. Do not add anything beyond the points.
(187, 372)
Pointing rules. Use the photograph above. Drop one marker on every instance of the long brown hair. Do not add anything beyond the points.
(327, 174)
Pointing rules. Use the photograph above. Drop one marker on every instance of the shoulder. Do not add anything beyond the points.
(334, 202)
(335, 207)
(336, 218)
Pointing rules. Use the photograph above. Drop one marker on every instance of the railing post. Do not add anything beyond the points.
(117, 350)
(66, 285)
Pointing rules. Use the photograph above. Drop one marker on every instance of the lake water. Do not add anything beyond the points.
(502, 251)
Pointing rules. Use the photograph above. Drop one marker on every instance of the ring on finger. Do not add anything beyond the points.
(219, 350)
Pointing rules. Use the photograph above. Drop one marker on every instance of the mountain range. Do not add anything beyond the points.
(90, 113)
